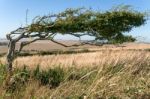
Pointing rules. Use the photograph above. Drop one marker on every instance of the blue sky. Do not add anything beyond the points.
(12, 12)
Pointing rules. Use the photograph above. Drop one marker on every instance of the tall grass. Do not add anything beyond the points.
(107, 57)
(97, 75)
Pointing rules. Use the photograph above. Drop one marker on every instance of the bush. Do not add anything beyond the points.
(52, 77)
(18, 80)
(57, 75)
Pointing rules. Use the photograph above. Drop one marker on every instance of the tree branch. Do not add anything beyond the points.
(22, 44)
(59, 43)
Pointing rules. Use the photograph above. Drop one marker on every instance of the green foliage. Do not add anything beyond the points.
(18, 80)
(44, 78)
(2, 73)
(36, 72)
(122, 38)
(57, 76)
(108, 25)
(52, 77)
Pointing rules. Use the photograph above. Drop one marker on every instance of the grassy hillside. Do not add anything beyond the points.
(99, 75)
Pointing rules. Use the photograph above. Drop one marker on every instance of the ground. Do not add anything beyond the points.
(50, 46)
(98, 72)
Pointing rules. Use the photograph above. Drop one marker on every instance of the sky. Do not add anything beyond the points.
(13, 12)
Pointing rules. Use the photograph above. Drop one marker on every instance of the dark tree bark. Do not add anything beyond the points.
(10, 55)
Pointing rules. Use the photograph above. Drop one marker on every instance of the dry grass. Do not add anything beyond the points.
(109, 74)
(100, 58)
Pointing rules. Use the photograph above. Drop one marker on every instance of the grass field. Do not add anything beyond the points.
(107, 72)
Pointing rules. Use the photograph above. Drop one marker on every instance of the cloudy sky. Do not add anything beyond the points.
(13, 12)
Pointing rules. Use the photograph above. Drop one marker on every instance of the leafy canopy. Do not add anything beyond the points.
(110, 25)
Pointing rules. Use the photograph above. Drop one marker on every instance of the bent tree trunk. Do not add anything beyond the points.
(9, 62)
(10, 56)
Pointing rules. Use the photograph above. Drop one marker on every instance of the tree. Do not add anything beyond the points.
(109, 26)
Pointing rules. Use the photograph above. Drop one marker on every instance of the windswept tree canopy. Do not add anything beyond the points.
(109, 26)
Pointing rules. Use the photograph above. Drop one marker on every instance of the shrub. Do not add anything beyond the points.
(57, 75)
(44, 78)
(52, 77)
(18, 80)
